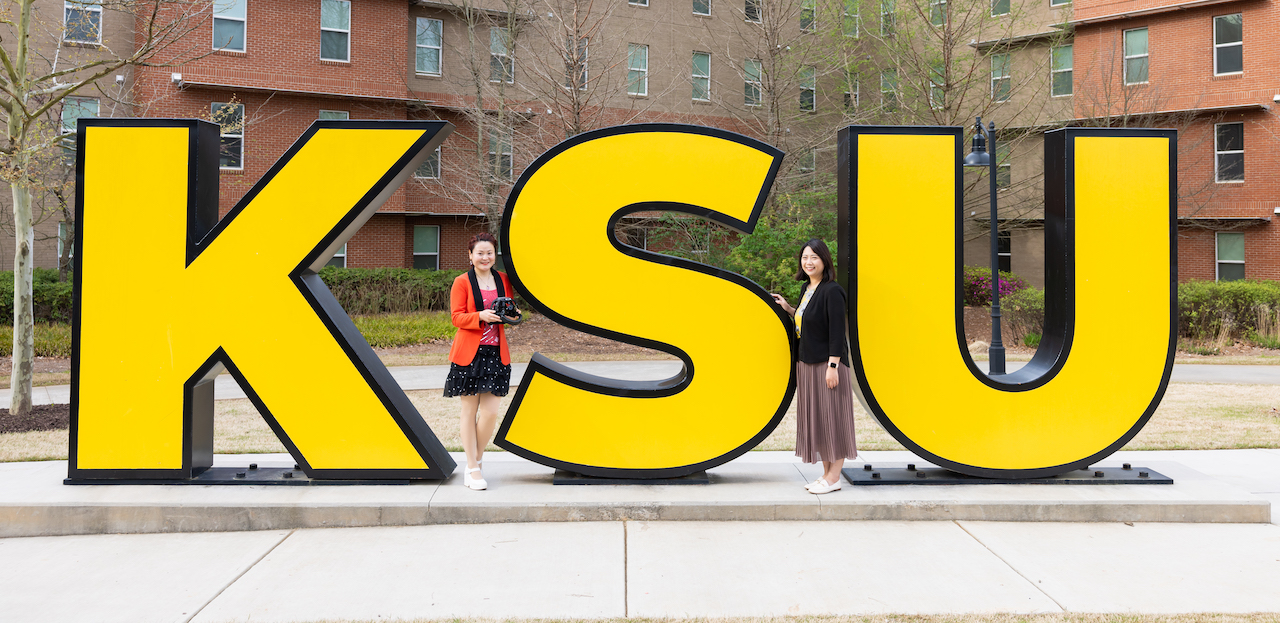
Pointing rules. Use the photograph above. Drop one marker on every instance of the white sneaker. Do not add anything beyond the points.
(475, 484)
(825, 487)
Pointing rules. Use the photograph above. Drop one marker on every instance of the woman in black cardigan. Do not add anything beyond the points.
(824, 390)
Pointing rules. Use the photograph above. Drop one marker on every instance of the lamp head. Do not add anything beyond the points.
(978, 156)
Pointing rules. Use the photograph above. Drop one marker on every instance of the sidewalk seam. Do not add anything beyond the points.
(237, 578)
(1007, 564)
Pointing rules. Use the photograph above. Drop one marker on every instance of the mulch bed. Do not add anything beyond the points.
(42, 417)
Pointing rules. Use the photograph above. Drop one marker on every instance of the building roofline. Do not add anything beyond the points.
(1175, 111)
(1184, 6)
(246, 87)
(982, 46)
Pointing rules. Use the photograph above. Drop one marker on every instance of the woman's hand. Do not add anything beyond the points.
(488, 315)
(782, 302)
(833, 378)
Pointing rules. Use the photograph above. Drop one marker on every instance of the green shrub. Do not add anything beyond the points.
(53, 339)
(51, 298)
(1221, 310)
(363, 291)
(390, 330)
(1031, 339)
(977, 286)
(1023, 312)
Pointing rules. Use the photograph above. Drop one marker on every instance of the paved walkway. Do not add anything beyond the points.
(432, 377)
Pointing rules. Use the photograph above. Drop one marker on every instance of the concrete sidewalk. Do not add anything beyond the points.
(649, 569)
(432, 377)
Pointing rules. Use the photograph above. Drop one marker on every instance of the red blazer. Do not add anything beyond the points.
(466, 317)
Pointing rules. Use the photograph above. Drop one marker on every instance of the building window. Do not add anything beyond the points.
(751, 10)
(339, 258)
(889, 90)
(637, 69)
(426, 247)
(1059, 2)
(500, 154)
(852, 26)
(1228, 45)
(74, 108)
(638, 2)
(701, 76)
(702, 7)
(808, 88)
(230, 118)
(335, 30)
(64, 248)
(575, 65)
(937, 12)
(751, 84)
(335, 114)
(1230, 255)
(228, 25)
(1004, 251)
(888, 9)
(430, 168)
(1060, 70)
(1229, 152)
(1136, 60)
(999, 7)
(937, 87)
(1004, 169)
(429, 42)
(82, 22)
(502, 62)
(808, 15)
(1001, 82)
(852, 86)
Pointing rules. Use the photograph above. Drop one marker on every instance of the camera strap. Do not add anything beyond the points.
(475, 288)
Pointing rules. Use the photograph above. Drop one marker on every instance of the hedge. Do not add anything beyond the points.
(363, 291)
(1224, 310)
(52, 298)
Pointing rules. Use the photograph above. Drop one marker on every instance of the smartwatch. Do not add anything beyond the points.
(832, 364)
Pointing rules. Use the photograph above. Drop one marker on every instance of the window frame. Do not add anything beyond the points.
(416, 254)
(1008, 8)
(632, 48)
(69, 141)
(808, 75)
(938, 8)
(244, 27)
(809, 163)
(1124, 49)
(756, 85)
(347, 32)
(937, 89)
(852, 93)
(808, 15)
(419, 47)
(1218, 46)
(1004, 237)
(214, 107)
(341, 253)
(322, 111)
(1053, 72)
(888, 17)
(507, 139)
(1058, 3)
(695, 8)
(70, 5)
(62, 241)
(1004, 167)
(856, 20)
(694, 77)
(1217, 263)
(436, 156)
(753, 6)
(638, 2)
(506, 59)
(889, 97)
(1217, 153)
(1006, 77)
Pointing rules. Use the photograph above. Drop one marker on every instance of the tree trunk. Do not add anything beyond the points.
(23, 316)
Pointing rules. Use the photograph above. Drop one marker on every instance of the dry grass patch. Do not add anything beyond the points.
(1210, 416)
(44, 445)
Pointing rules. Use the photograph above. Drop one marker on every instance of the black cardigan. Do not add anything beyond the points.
(822, 329)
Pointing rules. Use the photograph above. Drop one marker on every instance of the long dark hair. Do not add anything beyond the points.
(819, 247)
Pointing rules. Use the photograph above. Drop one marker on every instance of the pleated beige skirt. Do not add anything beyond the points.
(824, 417)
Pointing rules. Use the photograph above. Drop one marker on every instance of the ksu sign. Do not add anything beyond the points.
(167, 296)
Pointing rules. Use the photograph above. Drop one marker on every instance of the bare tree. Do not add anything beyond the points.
(39, 73)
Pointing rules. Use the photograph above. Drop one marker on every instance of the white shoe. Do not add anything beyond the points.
(825, 487)
(816, 483)
(475, 484)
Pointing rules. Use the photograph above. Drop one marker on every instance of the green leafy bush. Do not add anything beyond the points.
(1023, 312)
(977, 285)
(1031, 339)
(1222, 310)
(51, 298)
(363, 291)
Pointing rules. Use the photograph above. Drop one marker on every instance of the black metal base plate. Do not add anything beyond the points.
(563, 477)
(909, 475)
(272, 476)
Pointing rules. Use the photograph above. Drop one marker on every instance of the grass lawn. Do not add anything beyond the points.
(1193, 416)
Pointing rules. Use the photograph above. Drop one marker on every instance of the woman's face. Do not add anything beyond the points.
(483, 255)
(810, 263)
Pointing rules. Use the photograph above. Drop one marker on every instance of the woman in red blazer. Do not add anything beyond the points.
(479, 361)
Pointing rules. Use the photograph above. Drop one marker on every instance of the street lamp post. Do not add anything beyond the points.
(981, 156)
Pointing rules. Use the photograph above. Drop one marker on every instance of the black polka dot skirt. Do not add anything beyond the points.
(486, 375)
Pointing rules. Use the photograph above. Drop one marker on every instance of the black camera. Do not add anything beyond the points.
(505, 308)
